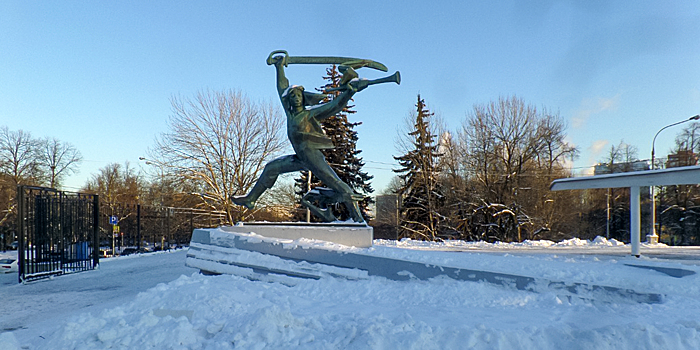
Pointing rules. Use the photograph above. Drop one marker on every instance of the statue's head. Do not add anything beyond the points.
(294, 97)
(301, 97)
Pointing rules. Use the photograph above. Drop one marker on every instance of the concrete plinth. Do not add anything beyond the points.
(350, 234)
(652, 239)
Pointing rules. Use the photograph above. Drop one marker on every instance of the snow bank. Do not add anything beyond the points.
(598, 242)
(230, 312)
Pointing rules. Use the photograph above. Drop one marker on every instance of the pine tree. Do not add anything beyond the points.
(420, 194)
(344, 158)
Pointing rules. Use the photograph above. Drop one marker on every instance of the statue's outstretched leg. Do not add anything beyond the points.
(351, 202)
(273, 169)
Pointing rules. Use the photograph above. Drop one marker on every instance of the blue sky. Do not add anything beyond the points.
(100, 75)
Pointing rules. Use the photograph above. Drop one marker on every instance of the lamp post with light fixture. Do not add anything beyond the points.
(653, 237)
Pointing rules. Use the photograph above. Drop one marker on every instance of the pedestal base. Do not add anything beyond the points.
(350, 234)
(221, 251)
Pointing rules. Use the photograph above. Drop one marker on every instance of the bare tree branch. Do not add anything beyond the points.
(222, 141)
(58, 158)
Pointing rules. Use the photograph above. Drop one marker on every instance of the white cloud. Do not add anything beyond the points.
(598, 146)
(595, 150)
(589, 107)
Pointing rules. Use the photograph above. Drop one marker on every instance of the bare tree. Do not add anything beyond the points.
(504, 138)
(554, 151)
(119, 188)
(511, 152)
(18, 165)
(59, 159)
(393, 187)
(25, 160)
(222, 141)
(18, 157)
(620, 157)
(688, 139)
(116, 183)
(678, 208)
(279, 203)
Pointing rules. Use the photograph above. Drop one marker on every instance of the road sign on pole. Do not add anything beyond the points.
(113, 220)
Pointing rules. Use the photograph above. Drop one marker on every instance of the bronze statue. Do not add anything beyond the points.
(304, 113)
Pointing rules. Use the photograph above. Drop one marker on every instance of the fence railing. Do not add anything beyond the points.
(57, 232)
(157, 227)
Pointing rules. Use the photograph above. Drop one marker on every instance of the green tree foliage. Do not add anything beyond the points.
(420, 194)
(344, 158)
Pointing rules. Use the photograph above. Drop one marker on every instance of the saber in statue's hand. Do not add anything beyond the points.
(283, 57)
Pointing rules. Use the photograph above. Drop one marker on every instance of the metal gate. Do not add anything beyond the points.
(58, 232)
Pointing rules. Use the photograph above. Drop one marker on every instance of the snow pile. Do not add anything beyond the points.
(229, 312)
(598, 242)
(8, 341)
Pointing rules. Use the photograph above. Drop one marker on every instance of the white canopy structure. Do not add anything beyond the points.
(634, 180)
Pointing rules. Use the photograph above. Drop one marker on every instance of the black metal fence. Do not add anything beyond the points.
(57, 232)
(144, 227)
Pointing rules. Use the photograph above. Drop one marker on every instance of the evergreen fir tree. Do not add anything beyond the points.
(344, 158)
(420, 194)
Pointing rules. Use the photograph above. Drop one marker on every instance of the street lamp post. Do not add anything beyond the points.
(653, 237)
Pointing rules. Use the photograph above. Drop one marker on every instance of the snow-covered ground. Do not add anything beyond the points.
(154, 301)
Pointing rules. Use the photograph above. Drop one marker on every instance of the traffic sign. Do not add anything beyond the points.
(113, 220)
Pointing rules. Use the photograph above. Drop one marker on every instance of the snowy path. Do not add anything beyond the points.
(31, 309)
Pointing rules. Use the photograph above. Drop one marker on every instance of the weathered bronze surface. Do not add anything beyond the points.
(304, 113)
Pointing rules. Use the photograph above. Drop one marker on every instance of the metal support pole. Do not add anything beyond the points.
(167, 227)
(138, 226)
(96, 231)
(21, 227)
(635, 220)
(652, 232)
(607, 216)
(398, 222)
(308, 189)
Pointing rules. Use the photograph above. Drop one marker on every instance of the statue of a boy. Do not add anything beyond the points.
(304, 113)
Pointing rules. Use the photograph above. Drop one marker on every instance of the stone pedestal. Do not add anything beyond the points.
(358, 235)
